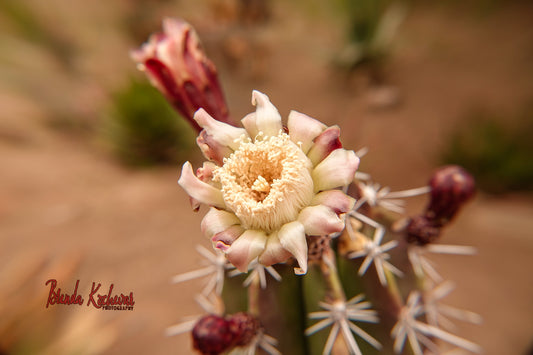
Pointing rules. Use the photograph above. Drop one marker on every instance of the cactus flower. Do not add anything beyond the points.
(177, 66)
(268, 187)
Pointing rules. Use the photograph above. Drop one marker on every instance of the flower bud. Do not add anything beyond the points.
(244, 328)
(421, 231)
(177, 66)
(212, 335)
(451, 186)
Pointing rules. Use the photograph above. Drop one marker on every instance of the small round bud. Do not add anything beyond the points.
(421, 231)
(451, 186)
(244, 328)
(212, 335)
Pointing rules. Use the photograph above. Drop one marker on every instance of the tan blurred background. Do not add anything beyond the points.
(72, 209)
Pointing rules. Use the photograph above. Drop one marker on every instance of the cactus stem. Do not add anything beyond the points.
(253, 296)
(329, 271)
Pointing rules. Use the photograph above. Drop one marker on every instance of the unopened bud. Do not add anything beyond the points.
(421, 231)
(212, 335)
(451, 186)
(177, 66)
(244, 327)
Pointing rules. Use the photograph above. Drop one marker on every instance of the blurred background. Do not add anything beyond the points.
(90, 153)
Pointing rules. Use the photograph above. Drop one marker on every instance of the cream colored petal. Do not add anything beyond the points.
(304, 129)
(292, 238)
(337, 169)
(224, 134)
(246, 248)
(337, 200)
(211, 148)
(248, 122)
(274, 252)
(199, 190)
(267, 117)
(223, 240)
(216, 221)
(324, 144)
(320, 220)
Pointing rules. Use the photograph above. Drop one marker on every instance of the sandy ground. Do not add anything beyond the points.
(62, 195)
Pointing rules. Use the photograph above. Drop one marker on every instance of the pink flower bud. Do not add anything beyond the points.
(451, 186)
(177, 66)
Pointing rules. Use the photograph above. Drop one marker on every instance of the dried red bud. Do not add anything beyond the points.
(451, 186)
(422, 231)
(212, 335)
(244, 327)
(177, 66)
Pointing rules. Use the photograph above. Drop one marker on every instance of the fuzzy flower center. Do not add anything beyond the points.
(266, 182)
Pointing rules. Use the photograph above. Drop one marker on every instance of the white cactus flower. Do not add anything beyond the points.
(268, 187)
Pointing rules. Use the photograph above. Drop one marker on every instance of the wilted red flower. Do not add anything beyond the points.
(176, 65)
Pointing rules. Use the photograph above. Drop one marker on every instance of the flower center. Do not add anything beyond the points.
(266, 182)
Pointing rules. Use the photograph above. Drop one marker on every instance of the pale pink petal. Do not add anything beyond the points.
(337, 200)
(174, 27)
(216, 221)
(199, 190)
(211, 148)
(274, 252)
(292, 238)
(146, 51)
(320, 220)
(205, 173)
(169, 48)
(223, 240)
(224, 134)
(336, 170)
(195, 204)
(267, 117)
(324, 144)
(246, 248)
(304, 129)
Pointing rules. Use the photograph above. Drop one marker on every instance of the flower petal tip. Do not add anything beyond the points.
(258, 98)
(267, 117)
(199, 190)
(300, 271)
